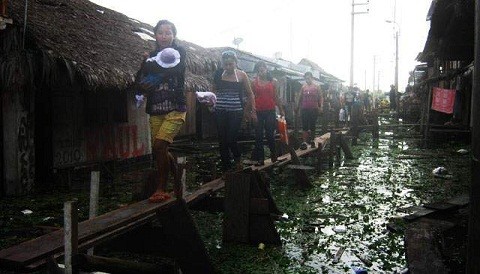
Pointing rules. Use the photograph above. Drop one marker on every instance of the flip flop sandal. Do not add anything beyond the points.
(159, 197)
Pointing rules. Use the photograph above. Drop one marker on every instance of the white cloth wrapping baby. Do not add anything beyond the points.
(139, 100)
(207, 97)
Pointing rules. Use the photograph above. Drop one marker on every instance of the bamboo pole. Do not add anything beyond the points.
(94, 190)
(70, 235)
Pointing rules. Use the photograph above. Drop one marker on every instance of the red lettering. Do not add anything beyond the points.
(137, 151)
(108, 143)
(93, 144)
(123, 142)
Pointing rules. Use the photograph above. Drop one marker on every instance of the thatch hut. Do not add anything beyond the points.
(65, 84)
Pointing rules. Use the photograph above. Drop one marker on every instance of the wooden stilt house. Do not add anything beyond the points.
(448, 54)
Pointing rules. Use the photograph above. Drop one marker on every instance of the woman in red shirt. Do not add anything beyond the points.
(266, 98)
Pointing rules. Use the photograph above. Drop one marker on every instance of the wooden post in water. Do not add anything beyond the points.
(354, 131)
(180, 178)
(332, 148)
(376, 127)
(346, 149)
(184, 241)
(237, 206)
(248, 208)
(319, 159)
(473, 251)
(338, 150)
(71, 235)
(94, 190)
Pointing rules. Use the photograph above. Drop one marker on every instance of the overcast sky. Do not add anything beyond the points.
(315, 29)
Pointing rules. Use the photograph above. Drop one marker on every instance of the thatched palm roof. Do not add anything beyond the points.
(451, 34)
(100, 46)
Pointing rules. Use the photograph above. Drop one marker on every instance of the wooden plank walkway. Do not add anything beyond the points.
(320, 143)
(32, 254)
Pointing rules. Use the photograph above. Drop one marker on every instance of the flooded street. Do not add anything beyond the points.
(357, 207)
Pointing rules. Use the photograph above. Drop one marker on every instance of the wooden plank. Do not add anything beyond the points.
(440, 206)
(185, 242)
(261, 226)
(91, 231)
(418, 214)
(339, 254)
(462, 200)
(259, 206)
(262, 230)
(237, 206)
(422, 248)
(113, 265)
(264, 192)
(286, 158)
(33, 253)
(300, 167)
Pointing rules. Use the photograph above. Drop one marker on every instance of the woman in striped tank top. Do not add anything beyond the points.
(230, 86)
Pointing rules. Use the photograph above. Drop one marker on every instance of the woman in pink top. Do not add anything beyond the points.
(311, 105)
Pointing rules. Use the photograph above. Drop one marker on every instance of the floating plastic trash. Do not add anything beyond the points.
(340, 229)
(441, 172)
(359, 270)
(261, 246)
(462, 151)
(27, 212)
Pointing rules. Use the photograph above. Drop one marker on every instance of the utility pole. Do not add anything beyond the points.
(396, 69)
(378, 81)
(352, 36)
(373, 83)
(473, 249)
(365, 80)
(397, 33)
(374, 64)
(396, 54)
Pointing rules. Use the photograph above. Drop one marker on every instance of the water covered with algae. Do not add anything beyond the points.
(357, 206)
(348, 206)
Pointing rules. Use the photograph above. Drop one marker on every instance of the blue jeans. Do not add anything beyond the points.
(228, 126)
(266, 121)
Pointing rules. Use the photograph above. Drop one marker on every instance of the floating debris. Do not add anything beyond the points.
(261, 246)
(441, 172)
(27, 212)
(339, 254)
(462, 151)
(359, 270)
(340, 229)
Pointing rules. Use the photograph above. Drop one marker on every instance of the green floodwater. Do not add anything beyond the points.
(348, 207)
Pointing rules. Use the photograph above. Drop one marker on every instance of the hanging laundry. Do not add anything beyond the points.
(443, 100)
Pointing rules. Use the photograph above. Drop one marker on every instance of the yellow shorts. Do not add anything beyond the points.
(166, 127)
